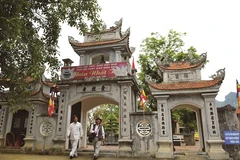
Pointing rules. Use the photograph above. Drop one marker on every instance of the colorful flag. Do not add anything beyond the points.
(133, 64)
(51, 103)
(143, 99)
(238, 96)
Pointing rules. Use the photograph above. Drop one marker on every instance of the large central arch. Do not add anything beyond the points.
(88, 102)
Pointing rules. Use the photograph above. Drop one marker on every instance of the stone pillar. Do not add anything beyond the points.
(214, 141)
(81, 60)
(118, 54)
(30, 139)
(125, 141)
(60, 138)
(3, 122)
(165, 144)
(84, 125)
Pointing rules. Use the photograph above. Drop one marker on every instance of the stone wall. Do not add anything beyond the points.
(228, 121)
(144, 143)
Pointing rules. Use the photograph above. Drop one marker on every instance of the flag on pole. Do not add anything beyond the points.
(133, 64)
(238, 96)
(51, 102)
(143, 99)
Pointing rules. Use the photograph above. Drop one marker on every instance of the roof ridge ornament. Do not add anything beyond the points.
(163, 61)
(149, 79)
(118, 22)
(126, 33)
(219, 74)
(72, 40)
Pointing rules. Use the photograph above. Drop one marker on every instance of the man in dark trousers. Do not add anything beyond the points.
(98, 130)
(75, 132)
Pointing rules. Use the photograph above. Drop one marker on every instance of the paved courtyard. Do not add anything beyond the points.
(190, 154)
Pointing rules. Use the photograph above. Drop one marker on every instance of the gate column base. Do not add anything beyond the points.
(125, 148)
(164, 149)
(29, 145)
(2, 140)
(216, 151)
(59, 146)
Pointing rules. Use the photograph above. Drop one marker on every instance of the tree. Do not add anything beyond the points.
(109, 114)
(186, 118)
(158, 46)
(29, 32)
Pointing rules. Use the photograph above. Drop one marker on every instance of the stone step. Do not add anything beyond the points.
(189, 156)
(10, 150)
(102, 153)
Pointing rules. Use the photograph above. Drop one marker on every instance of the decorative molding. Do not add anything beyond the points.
(46, 128)
(144, 128)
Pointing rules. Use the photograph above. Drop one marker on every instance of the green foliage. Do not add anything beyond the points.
(157, 46)
(186, 118)
(109, 114)
(29, 32)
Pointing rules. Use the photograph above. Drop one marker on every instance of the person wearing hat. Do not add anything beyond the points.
(75, 132)
(98, 130)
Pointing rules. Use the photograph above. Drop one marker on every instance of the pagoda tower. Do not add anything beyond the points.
(103, 76)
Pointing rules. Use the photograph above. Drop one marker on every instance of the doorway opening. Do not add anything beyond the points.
(186, 129)
(109, 113)
(18, 129)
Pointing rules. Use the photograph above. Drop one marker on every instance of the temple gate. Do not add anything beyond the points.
(182, 87)
(105, 76)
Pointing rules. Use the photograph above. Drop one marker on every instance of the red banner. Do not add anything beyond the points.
(97, 71)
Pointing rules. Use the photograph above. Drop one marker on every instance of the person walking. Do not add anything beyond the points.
(98, 130)
(75, 132)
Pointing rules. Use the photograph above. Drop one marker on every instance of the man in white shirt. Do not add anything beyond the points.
(75, 132)
(98, 129)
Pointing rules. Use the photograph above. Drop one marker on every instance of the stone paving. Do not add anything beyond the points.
(190, 154)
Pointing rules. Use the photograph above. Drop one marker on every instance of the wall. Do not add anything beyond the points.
(228, 121)
(144, 146)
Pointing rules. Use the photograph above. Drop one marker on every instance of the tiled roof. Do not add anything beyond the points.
(87, 44)
(187, 85)
(180, 65)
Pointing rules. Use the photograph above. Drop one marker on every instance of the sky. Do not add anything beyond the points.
(212, 26)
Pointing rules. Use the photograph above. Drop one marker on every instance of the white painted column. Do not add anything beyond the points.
(125, 141)
(118, 52)
(165, 143)
(214, 141)
(64, 113)
(84, 126)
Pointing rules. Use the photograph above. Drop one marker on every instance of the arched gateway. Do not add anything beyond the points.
(182, 87)
(104, 75)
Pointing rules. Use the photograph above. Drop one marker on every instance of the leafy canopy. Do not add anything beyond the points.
(109, 114)
(158, 46)
(29, 32)
(186, 118)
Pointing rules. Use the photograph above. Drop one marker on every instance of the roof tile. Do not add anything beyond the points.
(86, 44)
(180, 65)
(186, 85)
